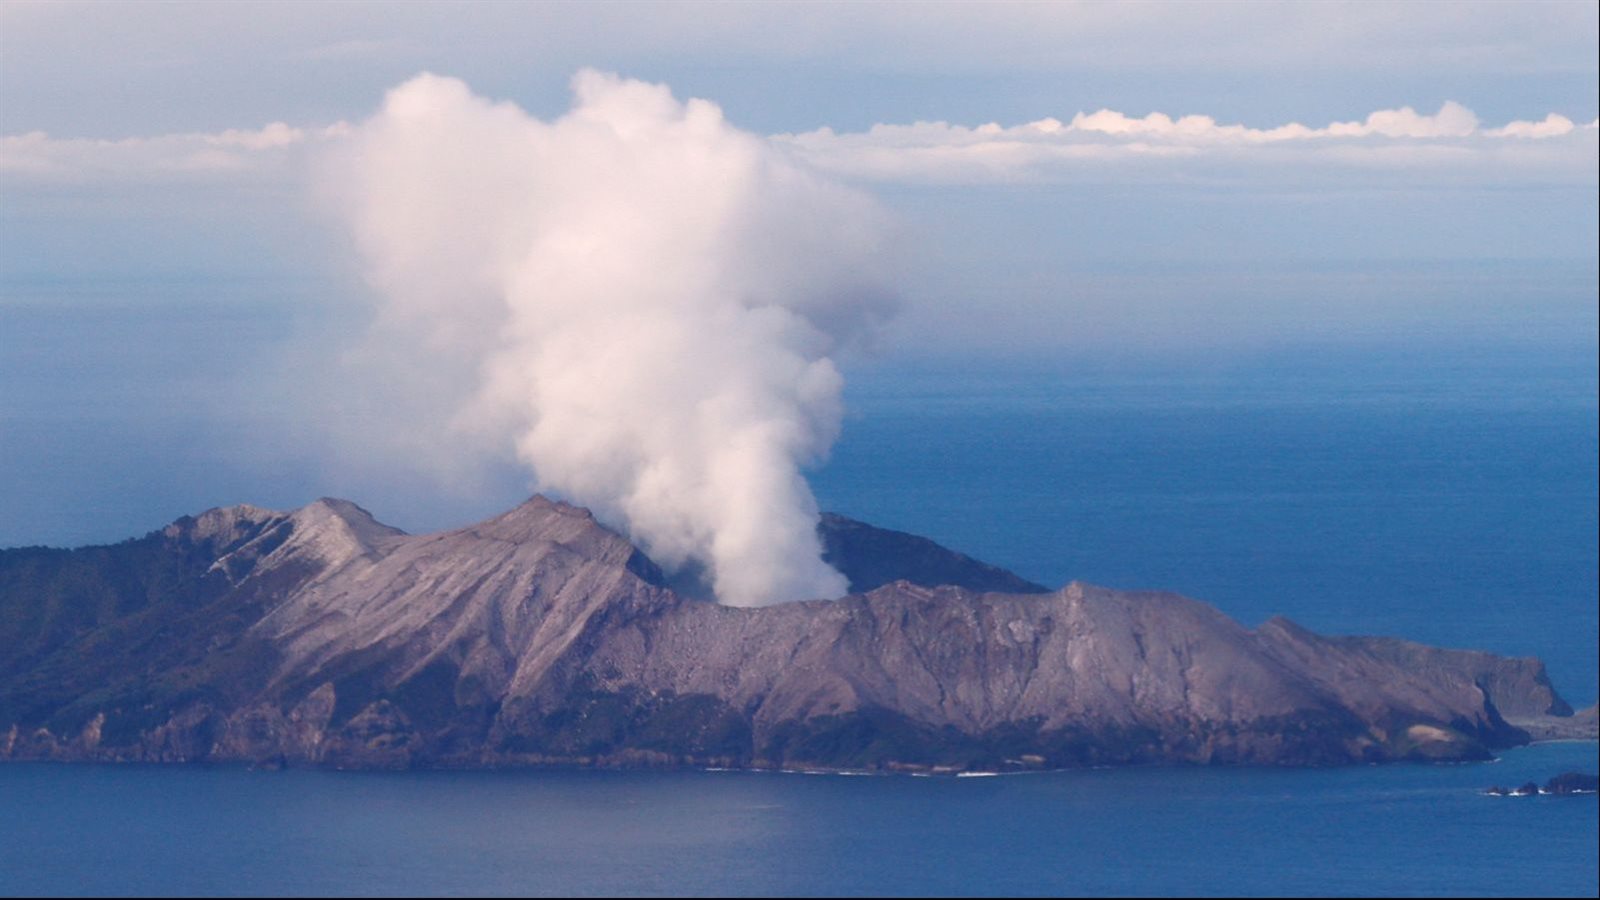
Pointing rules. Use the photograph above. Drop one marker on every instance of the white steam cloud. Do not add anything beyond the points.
(640, 298)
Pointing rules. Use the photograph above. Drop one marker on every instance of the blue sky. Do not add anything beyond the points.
(1347, 174)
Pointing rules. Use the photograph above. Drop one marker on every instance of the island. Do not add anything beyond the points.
(321, 637)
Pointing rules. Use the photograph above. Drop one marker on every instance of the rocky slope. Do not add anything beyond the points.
(321, 636)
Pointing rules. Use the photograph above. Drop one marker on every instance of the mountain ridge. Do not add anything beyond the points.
(321, 636)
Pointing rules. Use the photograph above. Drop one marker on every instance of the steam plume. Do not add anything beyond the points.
(640, 298)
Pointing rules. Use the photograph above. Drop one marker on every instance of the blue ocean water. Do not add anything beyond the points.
(1447, 497)
(1388, 831)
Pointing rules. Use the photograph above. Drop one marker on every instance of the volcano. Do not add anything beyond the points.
(324, 637)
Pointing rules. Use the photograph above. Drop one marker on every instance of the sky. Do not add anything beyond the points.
(1140, 180)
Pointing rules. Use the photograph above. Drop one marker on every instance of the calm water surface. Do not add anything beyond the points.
(1396, 830)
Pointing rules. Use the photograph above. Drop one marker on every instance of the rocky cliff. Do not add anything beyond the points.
(321, 636)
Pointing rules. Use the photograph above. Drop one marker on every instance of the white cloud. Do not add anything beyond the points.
(1157, 145)
(1452, 120)
(1089, 145)
(1553, 125)
(39, 157)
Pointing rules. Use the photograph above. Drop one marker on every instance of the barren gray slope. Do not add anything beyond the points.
(500, 600)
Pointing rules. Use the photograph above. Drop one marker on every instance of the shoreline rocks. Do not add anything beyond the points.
(1566, 784)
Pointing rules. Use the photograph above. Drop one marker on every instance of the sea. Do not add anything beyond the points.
(1449, 495)
(1389, 831)
(1444, 495)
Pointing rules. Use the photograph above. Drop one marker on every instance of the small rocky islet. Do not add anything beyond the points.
(1566, 784)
